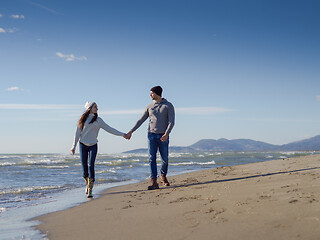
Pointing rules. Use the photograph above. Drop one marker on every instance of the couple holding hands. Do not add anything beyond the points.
(161, 121)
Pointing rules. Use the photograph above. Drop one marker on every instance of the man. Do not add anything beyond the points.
(161, 121)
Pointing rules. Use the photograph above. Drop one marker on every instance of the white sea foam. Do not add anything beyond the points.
(27, 189)
(56, 167)
(135, 160)
(193, 163)
(118, 162)
(43, 161)
(186, 163)
(7, 163)
(111, 170)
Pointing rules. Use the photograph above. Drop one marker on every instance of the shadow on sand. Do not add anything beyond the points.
(220, 181)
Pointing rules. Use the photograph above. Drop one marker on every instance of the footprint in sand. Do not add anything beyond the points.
(265, 197)
(128, 206)
(190, 220)
(183, 199)
(190, 180)
(215, 215)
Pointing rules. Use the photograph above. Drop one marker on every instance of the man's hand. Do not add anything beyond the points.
(164, 137)
(72, 150)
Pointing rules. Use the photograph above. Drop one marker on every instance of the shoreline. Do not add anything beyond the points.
(277, 199)
(18, 223)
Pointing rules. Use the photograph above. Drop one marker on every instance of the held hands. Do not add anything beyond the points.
(128, 135)
(72, 151)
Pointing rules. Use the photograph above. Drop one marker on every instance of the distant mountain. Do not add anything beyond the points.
(237, 145)
(310, 144)
(243, 145)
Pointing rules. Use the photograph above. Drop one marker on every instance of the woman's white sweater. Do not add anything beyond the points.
(89, 134)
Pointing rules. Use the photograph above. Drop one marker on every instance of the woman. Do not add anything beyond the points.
(87, 131)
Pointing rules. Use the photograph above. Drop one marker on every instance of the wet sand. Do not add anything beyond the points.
(273, 200)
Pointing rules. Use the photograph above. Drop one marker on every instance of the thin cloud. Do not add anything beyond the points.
(14, 89)
(39, 106)
(17, 16)
(45, 8)
(12, 30)
(9, 30)
(70, 57)
(318, 98)
(1, 15)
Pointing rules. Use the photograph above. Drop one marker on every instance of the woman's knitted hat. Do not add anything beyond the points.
(89, 105)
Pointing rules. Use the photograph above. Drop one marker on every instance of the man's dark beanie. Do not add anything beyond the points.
(157, 90)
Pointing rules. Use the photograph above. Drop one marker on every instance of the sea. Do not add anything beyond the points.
(32, 185)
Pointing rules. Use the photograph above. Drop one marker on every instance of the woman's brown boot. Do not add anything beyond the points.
(90, 187)
(87, 184)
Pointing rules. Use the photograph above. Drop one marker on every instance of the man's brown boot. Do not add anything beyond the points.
(164, 180)
(154, 184)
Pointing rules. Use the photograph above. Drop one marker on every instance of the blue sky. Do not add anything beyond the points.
(233, 69)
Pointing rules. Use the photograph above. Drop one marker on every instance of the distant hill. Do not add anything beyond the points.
(237, 145)
(310, 144)
(242, 145)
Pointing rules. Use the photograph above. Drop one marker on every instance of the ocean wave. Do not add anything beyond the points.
(2, 209)
(7, 163)
(23, 190)
(56, 167)
(185, 163)
(118, 162)
(193, 163)
(110, 163)
(44, 161)
(112, 170)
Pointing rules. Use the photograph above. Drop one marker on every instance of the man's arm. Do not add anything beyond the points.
(171, 118)
(142, 119)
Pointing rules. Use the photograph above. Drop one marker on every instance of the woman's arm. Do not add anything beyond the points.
(109, 129)
(76, 139)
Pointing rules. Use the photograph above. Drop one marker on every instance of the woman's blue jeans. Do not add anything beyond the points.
(88, 153)
(154, 144)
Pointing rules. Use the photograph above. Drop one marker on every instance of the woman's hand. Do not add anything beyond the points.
(72, 150)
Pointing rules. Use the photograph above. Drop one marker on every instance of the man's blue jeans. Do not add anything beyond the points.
(88, 152)
(154, 144)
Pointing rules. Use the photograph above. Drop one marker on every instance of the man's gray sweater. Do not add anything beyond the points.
(161, 117)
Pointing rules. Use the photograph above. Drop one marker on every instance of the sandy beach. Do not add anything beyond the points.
(276, 199)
